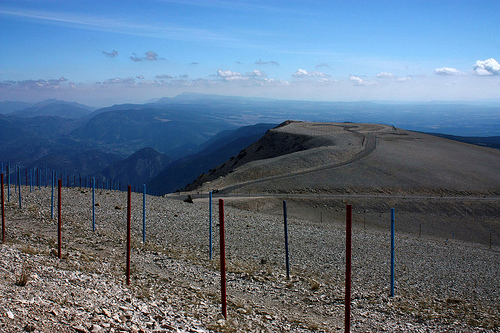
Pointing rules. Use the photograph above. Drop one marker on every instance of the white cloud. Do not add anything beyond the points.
(357, 81)
(386, 75)
(256, 73)
(164, 76)
(107, 23)
(265, 82)
(325, 81)
(447, 71)
(304, 73)
(487, 67)
(300, 73)
(140, 77)
(51, 84)
(229, 75)
(119, 80)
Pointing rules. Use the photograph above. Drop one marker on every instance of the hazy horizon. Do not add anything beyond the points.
(484, 102)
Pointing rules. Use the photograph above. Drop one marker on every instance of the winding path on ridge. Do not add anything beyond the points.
(371, 145)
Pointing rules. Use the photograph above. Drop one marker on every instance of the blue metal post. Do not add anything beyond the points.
(8, 182)
(286, 242)
(210, 225)
(144, 213)
(52, 196)
(19, 182)
(392, 252)
(31, 179)
(93, 203)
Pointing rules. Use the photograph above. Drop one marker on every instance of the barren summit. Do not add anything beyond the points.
(439, 187)
(330, 158)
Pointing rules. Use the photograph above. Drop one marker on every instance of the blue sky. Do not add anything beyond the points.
(106, 52)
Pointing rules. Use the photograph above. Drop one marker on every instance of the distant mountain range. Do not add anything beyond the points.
(223, 146)
(49, 107)
(137, 168)
(190, 134)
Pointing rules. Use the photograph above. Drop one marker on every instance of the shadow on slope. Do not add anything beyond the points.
(218, 149)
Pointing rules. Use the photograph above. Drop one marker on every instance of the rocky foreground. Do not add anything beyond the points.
(441, 285)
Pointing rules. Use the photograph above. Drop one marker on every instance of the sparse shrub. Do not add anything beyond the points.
(314, 285)
(28, 249)
(23, 278)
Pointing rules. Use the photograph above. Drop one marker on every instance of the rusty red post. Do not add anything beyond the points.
(59, 223)
(348, 243)
(3, 213)
(222, 242)
(128, 232)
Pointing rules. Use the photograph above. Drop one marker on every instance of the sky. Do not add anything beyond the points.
(103, 52)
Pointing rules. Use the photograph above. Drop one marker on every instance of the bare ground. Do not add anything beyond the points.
(442, 285)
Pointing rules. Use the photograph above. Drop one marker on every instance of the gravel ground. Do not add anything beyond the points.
(442, 285)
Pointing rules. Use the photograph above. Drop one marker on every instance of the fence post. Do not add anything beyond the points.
(52, 197)
(59, 222)
(348, 246)
(210, 225)
(3, 213)
(129, 209)
(8, 182)
(93, 203)
(222, 242)
(286, 241)
(19, 184)
(144, 213)
(392, 252)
